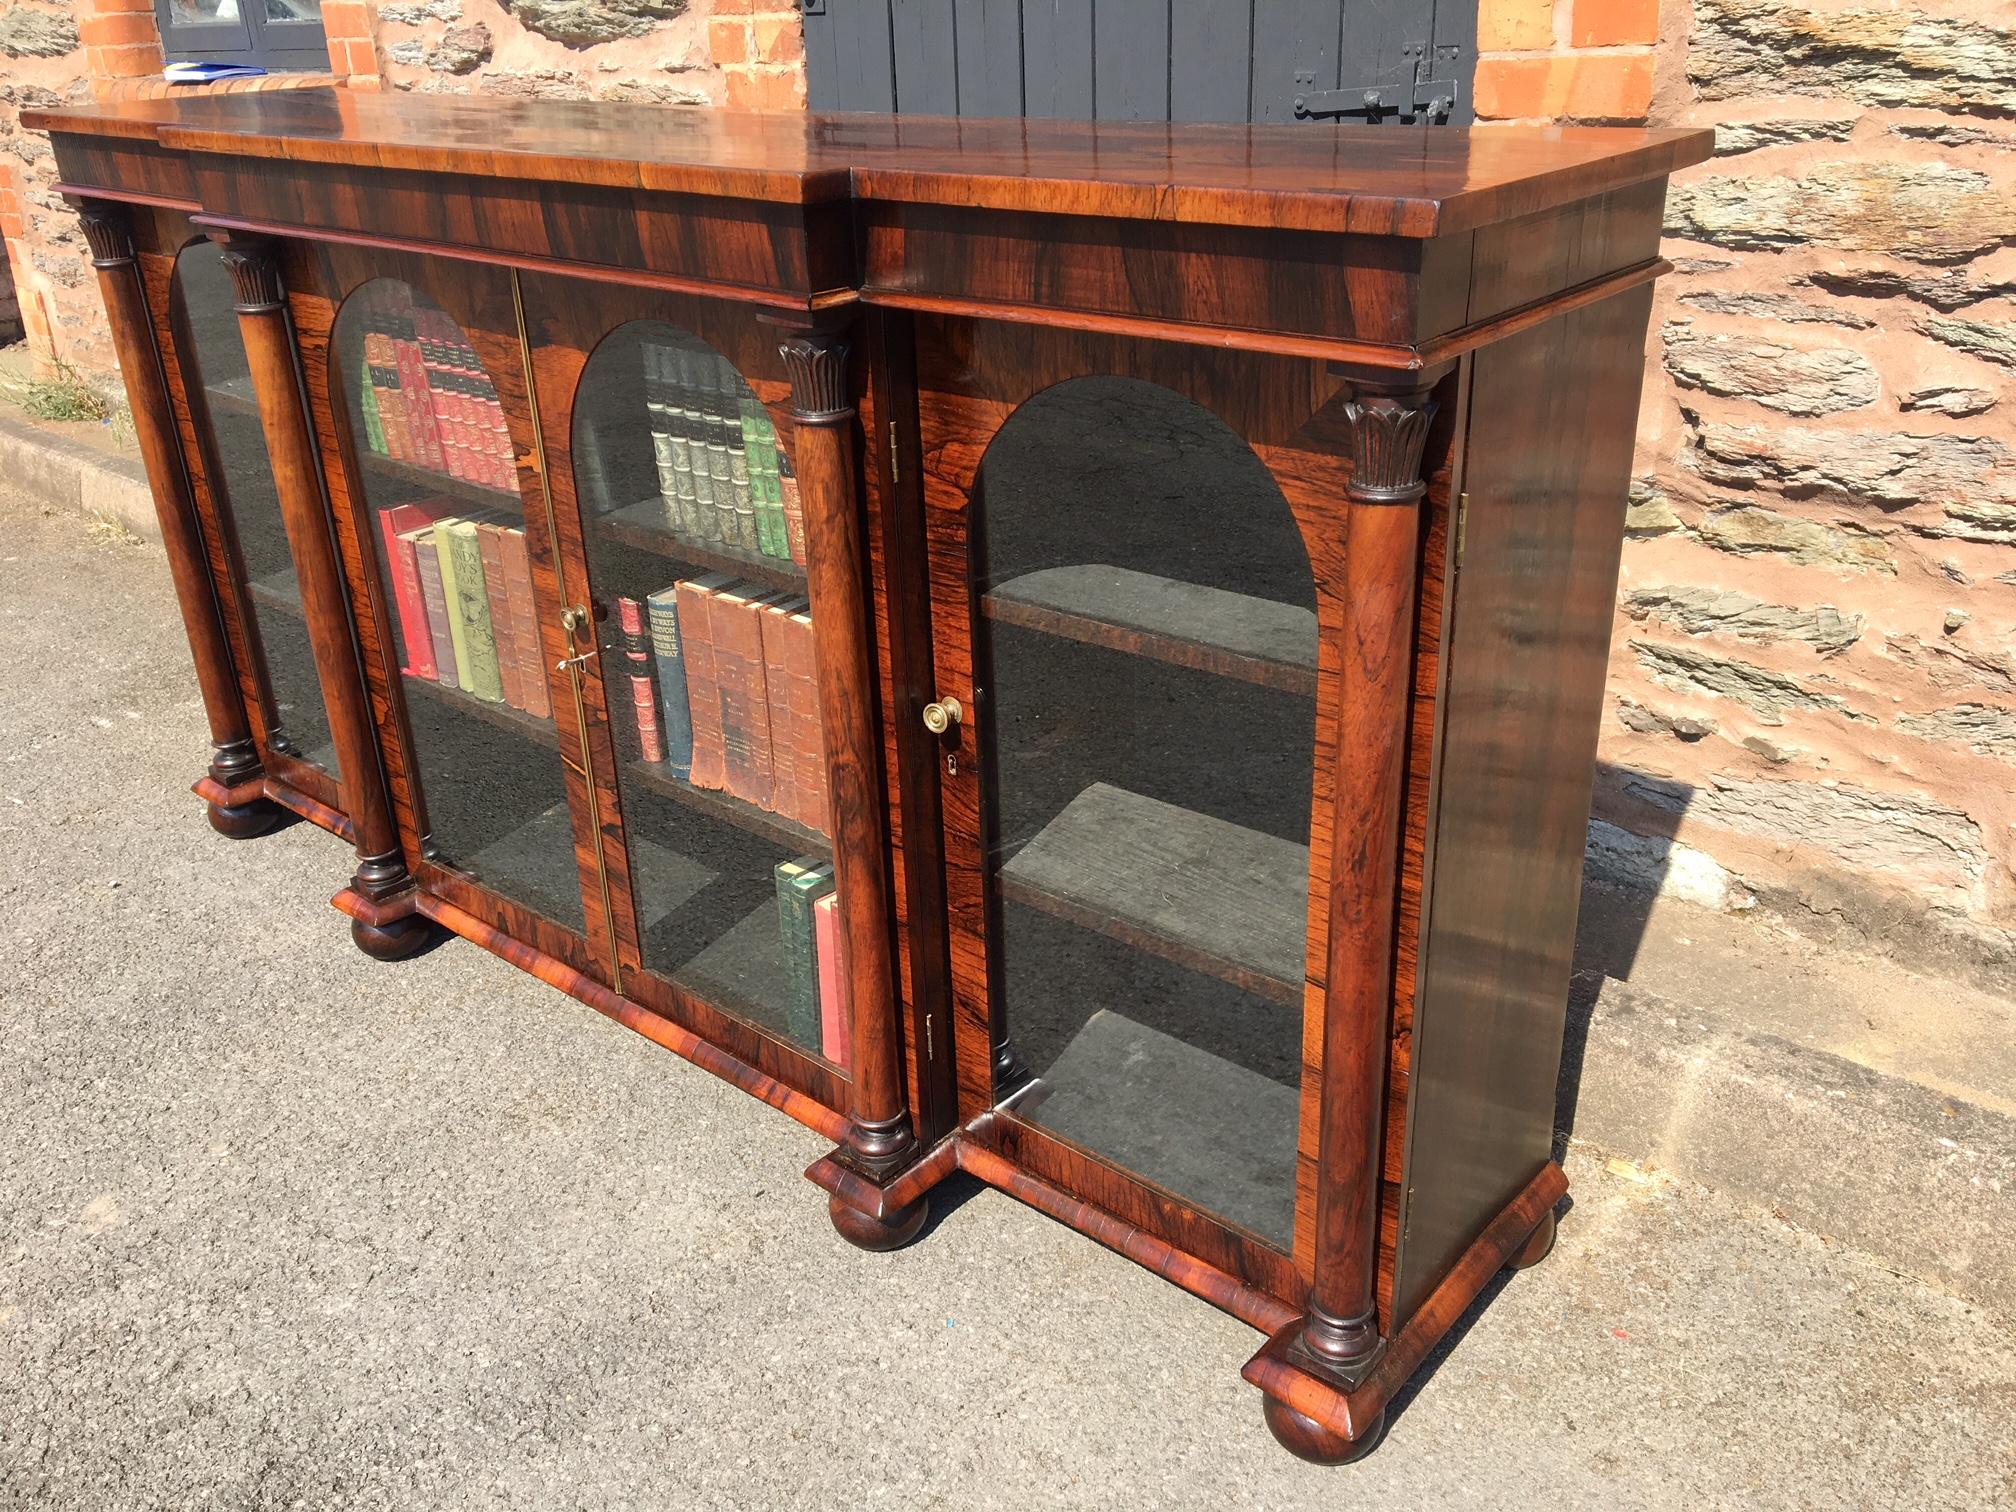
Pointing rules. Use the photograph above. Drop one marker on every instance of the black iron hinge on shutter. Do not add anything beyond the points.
(1427, 100)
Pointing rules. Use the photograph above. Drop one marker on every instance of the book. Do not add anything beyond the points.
(503, 623)
(524, 612)
(433, 590)
(394, 523)
(735, 620)
(639, 666)
(381, 361)
(788, 793)
(801, 884)
(836, 1029)
(703, 691)
(675, 708)
(794, 512)
(458, 626)
(417, 402)
(478, 645)
(367, 409)
(807, 736)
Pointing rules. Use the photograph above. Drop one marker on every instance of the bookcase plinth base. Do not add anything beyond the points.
(881, 1216)
(239, 812)
(388, 930)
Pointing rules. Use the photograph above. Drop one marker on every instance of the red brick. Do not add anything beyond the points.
(734, 7)
(134, 61)
(780, 39)
(114, 8)
(345, 18)
(1580, 87)
(118, 30)
(728, 40)
(357, 55)
(1515, 25)
(1614, 23)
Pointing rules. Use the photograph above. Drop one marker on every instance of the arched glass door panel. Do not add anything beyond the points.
(446, 520)
(1144, 671)
(696, 555)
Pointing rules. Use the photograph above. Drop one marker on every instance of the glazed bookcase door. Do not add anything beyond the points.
(440, 504)
(1124, 603)
(668, 437)
(295, 741)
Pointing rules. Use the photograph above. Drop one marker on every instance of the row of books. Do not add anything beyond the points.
(808, 921)
(721, 474)
(463, 586)
(725, 692)
(425, 397)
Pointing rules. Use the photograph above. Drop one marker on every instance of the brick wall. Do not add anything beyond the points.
(1814, 671)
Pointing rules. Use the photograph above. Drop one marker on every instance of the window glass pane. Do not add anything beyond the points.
(1146, 672)
(217, 361)
(203, 12)
(695, 551)
(294, 10)
(442, 505)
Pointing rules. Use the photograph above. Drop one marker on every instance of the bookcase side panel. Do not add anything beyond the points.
(1551, 422)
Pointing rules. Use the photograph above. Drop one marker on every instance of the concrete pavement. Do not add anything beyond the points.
(280, 1227)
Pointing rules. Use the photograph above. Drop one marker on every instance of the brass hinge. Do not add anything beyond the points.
(930, 1053)
(1462, 524)
(895, 474)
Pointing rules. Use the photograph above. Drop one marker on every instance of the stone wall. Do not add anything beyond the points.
(1814, 671)
(42, 63)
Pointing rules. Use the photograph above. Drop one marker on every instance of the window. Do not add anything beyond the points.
(277, 35)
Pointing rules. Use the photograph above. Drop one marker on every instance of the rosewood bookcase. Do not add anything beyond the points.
(1065, 652)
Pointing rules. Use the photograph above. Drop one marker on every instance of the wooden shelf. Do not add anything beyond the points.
(1192, 1122)
(642, 527)
(502, 715)
(237, 395)
(788, 833)
(1215, 897)
(1185, 624)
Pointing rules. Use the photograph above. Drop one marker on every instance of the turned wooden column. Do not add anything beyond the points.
(1339, 1333)
(880, 1141)
(232, 787)
(381, 895)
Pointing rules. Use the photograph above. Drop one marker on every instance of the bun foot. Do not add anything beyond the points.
(1536, 1248)
(1307, 1439)
(877, 1234)
(242, 821)
(394, 941)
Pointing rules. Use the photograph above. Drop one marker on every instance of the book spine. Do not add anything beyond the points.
(835, 1030)
(785, 794)
(638, 664)
(802, 663)
(794, 515)
(434, 594)
(451, 587)
(795, 936)
(525, 618)
(367, 407)
(413, 632)
(745, 710)
(703, 688)
(503, 623)
(472, 608)
(382, 362)
(417, 401)
(675, 705)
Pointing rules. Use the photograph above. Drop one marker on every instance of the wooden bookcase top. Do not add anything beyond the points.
(1376, 180)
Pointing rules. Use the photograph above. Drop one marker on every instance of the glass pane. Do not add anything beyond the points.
(217, 363)
(293, 10)
(1146, 655)
(696, 551)
(441, 499)
(202, 12)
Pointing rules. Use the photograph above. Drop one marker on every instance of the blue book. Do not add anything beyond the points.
(674, 705)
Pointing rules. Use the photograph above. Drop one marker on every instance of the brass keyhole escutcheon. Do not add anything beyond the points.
(941, 715)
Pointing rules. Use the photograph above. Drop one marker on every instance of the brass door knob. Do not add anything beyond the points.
(942, 715)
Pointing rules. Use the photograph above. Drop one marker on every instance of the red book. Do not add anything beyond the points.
(703, 690)
(836, 1028)
(419, 403)
(525, 621)
(735, 620)
(637, 663)
(807, 734)
(794, 518)
(787, 795)
(503, 619)
(414, 631)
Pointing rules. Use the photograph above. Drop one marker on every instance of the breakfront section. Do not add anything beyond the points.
(1068, 653)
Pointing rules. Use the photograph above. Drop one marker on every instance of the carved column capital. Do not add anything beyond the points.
(817, 364)
(254, 266)
(1389, 432)
(108, 231)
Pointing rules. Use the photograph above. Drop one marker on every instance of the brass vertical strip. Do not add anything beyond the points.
(574, 658)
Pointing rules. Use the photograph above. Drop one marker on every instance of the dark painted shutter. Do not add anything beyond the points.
(1174, 60)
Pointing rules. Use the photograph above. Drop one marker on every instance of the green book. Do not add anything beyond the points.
(367, 400)
(444, 554)
(800, 884)
(476, 647)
